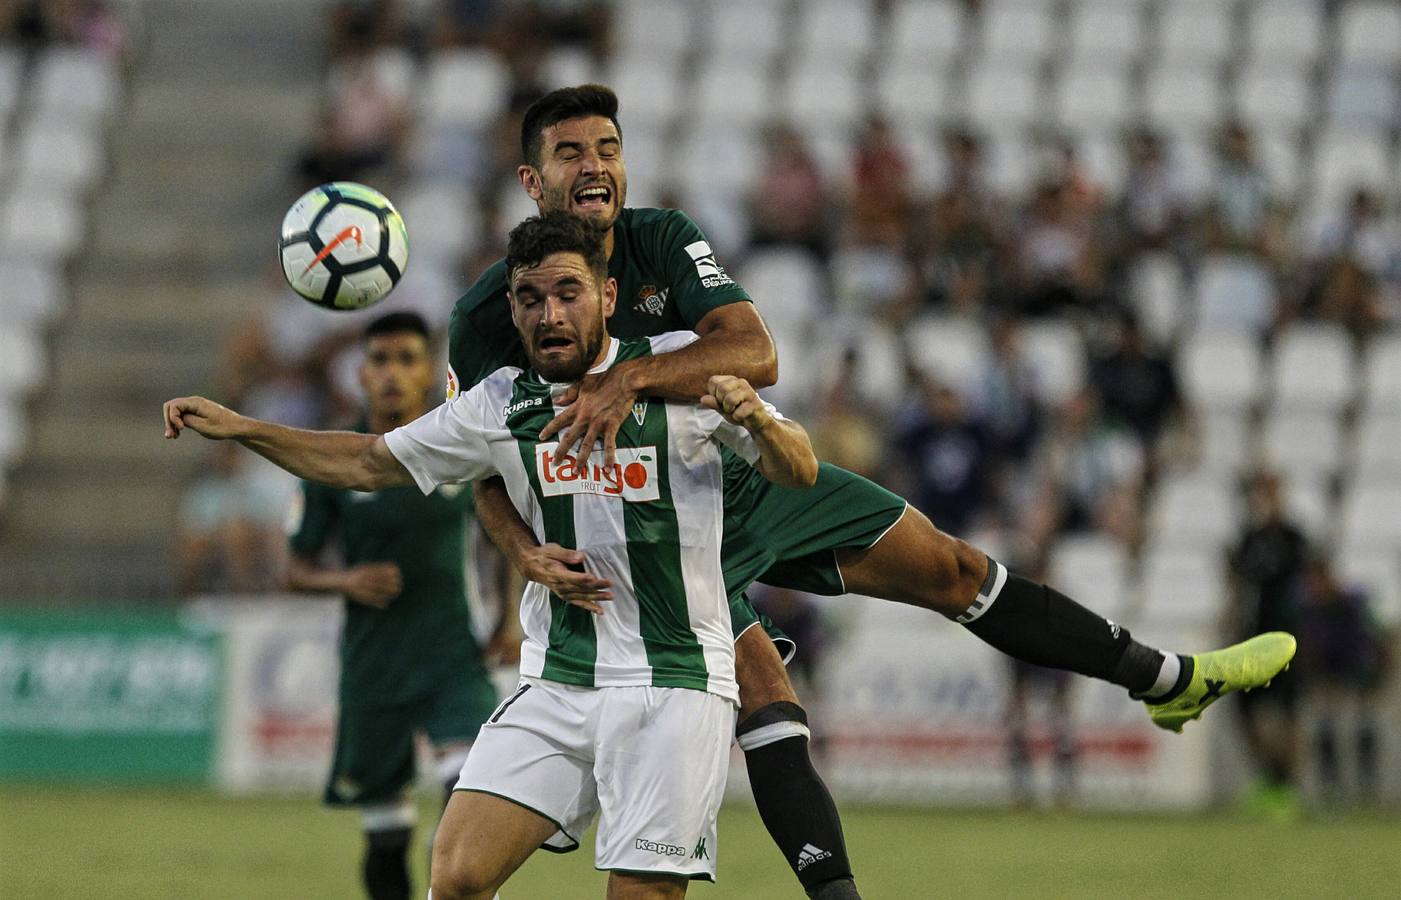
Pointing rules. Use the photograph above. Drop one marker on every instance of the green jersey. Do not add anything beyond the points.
(651, 523)
(401, 653)
(667, 277)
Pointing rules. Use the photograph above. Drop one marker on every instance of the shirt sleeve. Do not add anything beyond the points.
(311, 519)
(698, 282)
(447, 445)
(671, 340)
(481, 338)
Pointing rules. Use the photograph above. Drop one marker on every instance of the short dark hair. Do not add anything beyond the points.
(397, 322)
(561, 104)
(555, 232)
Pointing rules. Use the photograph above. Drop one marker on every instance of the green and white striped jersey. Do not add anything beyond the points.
(651, 525)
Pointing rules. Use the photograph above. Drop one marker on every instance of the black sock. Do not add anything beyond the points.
(386, 864)
(793, 802)
(1040, 625)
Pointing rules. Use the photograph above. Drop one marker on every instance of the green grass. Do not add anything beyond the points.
(150, 844)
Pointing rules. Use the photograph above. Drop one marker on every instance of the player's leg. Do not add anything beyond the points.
(372, 769)
(482, 840)
(528, 782)
(793, 802)
(916, 563)
(633, 886)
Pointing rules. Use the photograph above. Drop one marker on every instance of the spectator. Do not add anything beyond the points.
(1266, 566)
(947, 452)
(964, 233)
(1356, 269)
(229, 537)
(1153, 208)
(1005, 401)
(1243, 214)
(1137, 384)
(1057, 265)
(843, 431)
(790, 204)
(1342, 652)
(880, 201)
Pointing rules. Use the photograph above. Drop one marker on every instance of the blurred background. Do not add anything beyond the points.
(1111, 288)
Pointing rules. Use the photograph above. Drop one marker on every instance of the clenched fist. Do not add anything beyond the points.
(736, 400)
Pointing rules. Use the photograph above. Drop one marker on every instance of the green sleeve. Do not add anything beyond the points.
(698, 282)
(312, 527)
(481, 337)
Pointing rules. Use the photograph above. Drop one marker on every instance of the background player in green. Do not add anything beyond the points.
(409, 660)
(844, 535)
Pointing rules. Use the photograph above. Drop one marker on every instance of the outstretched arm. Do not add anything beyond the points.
(785, 453)
(733, 339)
(344, 459)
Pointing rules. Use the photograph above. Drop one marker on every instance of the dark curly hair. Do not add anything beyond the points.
(556, 232)
(561, 104)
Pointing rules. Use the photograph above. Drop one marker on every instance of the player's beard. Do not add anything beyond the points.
(560, 370)
(560, 199)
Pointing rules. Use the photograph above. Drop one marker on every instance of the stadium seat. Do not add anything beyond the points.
(1365, 96)
(1221, 369)
(1183, 585)
(1200, 510)
(880, 368)
(52, 156)
(1159, 295)
(1177, 97)
(78, 85)
(1093, 96)
(1105, 32)
(743, 32)
(1348, 158)
(1309, 503)
(951, 350)
(1378, 572)
(1094, 569)
(1381, 375)
(40, 225)
(1369, 33)
(1235, 292)
(1193, 159)
(654, 28)
(464, 87)
(824, 96)
(1377, 441)
(1313, 368)
(839, 32)
(1368, 517)
(1304, 446)
(11, 81)
(1195, 32)
(445, 219)
(1285, 31)
(1001, 96)
(732, 96)
(1102, 153)
(1012, 164)
(1017, 30)
(913, 96)
(866, 279)
(573, 65)
(22, 362)
(1272, 96)
(1056, 352)
(926, 32)
(654, 94)
(789, 287)
(1280, 155)
(1224, 436)
(718, 160)
(31, 294)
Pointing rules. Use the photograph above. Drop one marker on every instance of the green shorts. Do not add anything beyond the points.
(789, 537)
(374, 757)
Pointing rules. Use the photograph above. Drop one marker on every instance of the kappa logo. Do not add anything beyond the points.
(653, 300)
(809, 855)
(659, 847)
(711, 275)
(633, 476)
(513, 408)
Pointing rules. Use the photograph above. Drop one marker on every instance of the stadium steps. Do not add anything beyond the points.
(182, 233)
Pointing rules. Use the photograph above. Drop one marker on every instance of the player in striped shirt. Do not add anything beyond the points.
(627, 713)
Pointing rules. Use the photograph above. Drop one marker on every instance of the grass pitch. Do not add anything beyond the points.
(147, 844)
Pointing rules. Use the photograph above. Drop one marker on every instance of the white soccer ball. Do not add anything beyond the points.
(344, 246)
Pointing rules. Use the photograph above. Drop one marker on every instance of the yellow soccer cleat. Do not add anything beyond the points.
(1240, 667)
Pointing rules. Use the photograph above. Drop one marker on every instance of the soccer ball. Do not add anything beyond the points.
(344, 246)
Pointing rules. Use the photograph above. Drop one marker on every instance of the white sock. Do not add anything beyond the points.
(1167, 677)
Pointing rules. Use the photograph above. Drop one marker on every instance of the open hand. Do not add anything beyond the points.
(204, 416)
(597, 407)
(561, 571)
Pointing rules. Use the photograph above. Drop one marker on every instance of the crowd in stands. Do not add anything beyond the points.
(998, 328)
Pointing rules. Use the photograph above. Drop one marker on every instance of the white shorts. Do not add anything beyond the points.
(649, 761)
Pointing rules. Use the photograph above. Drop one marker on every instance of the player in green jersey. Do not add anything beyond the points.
(409, 660)
(629, 714)
(844, 535)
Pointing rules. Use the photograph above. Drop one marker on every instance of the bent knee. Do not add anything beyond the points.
(457, 875)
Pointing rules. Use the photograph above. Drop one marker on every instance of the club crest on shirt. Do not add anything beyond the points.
(653, 301)
(639, 412)
(632, 477)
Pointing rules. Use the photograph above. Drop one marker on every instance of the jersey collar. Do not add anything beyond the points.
(608, 359)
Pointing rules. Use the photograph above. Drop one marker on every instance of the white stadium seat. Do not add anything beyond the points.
(41, 225)
(22, 362)
(1183, 585)
(1285, 31)
(952, 351)
(788, 286)
(1017, 30)
(31, 294)
(1194, 31)
(926, 31)
(654, 28)
(880, 374)
(1302, 445)
(653, 94)
(1093, 96)
(444, 217)
(1159, 295)
(1107, 32)
(1224, 441)
(732, 96)
(1221, 369)
(839, 32)
(1378, 572)
(1056, 351)
(74, 83)
(1272, 96)
(56, 157)
(744, 32)
(1363, 96)
(465, 87)
(1370, 32)
(1003, 96)
(1308, 502)
(1235, 292)
(1012, 164)
(1381, 377)
(1196, 510)
(913, 96)
(1313, 368)
(1094, 569)
(1177, 97)
(1348, 158)
(1377, 441)
(1368, 514)
(823, 95)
